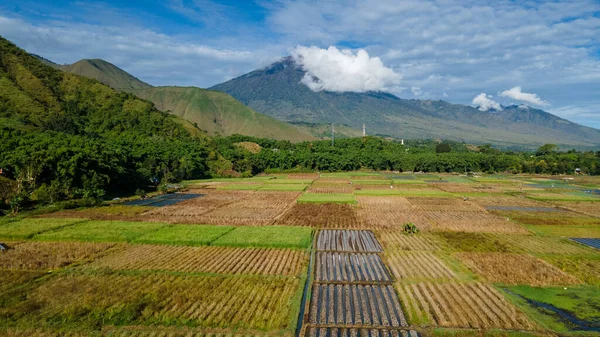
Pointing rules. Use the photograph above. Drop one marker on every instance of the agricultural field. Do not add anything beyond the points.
(313, 255)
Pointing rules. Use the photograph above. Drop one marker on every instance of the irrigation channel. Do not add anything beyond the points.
(349, 291)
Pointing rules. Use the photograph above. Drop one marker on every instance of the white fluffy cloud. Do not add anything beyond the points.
(332, 69)
(485, 102)
(517, 94)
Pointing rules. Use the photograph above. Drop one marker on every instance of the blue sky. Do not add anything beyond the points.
(429, 49)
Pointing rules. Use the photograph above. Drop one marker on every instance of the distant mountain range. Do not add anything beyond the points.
(277, 92)
(212, 111)
(272, 103)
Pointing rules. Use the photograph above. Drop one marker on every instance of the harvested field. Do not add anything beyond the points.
(331, 181)
(589, 208)
(418, 265)
(386, 212)
(400, 241)
(523, 209)
(443, 205)
(222, 260)
(348, 241)
(504, 200)
(48, 255)
(262, 208)
(205, 301)
(25, 332)
(467, 188)
(516, 269)
(303, 176)
(470, 222)
(320, 198)
(355, 304)
(321, 215)
(350, 267)
(540, 244)
(357, 332)
(141, 331)
(550, 219)
(468, 305)
(331, 189)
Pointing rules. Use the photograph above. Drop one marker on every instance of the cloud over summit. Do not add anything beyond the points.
(485, 102)
(337, 70)
(517, 94)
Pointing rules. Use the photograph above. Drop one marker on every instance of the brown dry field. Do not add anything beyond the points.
(418, 265)
(516, 269)
(468, 188)
(549, 218)
(588, 208)
(467, 305)
(223, 260)
(12, 278)
(425, 204)
(505, 200)
(397, 240)
(331, 190)
(228, 208)
(49, 255)
(321, 215)
(385, 212)
(470, 222)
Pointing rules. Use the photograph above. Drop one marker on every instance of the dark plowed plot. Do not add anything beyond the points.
(375, 305)
(345, 267)
(348, 241)
(594, 243)
(321, 215)
(523, 209)
(354, 332)
(163, 200)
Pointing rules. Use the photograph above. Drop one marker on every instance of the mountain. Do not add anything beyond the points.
(277, 91)
(212, 111)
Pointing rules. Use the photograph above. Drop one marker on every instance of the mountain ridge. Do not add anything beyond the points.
(277, 91)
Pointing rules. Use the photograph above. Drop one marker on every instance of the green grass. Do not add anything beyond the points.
(27, 228)
(583, 302)
(241, 187)
(339, 198)
(283, 187)
(381, 192)
(101, 231)
(474, 242)
(185, 235)
(229, 180)
(289, 181)
(267, 236)
(585, 267)
(567, 231)
(408, 181)
(411, 192)
(371, 182)
(348, 174)
(563, 197)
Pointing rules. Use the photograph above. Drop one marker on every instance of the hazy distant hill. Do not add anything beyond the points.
(214, 112)
(276, 91)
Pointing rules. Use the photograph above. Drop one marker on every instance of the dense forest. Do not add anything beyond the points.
(69, 139)
(419, 155)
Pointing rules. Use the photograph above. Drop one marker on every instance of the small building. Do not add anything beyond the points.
(578, 170)
(3, 247)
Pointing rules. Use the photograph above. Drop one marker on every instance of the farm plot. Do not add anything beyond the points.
(341, 198)
(397, 240)
(348, 241)
(357, 332)
(523, 209)
(163, 200)
(443, 205)
(267, 237)
(185, 235)
(321, 215)
(375, 305)
(540, 244)
(101, 231)
(387, 212)
(585, 267)
(205, 301)
(190, 211)
(350, 267)
(463, 188)
(262, 208)
(467, 305)
(590, 208)
(24, 332)
(515, 269)
(506, 200)
(568, 231)
(27, 228)
(48, 255)
(311, 176)
(418, 266)
(550, 219)
(222, 260)
(331, 189)
(14, 278)
(469, 222)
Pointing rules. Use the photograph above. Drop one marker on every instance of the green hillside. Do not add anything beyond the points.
(64, 136)
(218, 113)
(106, 73)
(215, 113)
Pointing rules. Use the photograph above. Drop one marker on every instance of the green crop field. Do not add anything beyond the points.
(267, 236)
(26, 228)
(185, 235)
(101, 231)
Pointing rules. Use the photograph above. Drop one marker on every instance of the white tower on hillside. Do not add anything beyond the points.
(364, 130)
